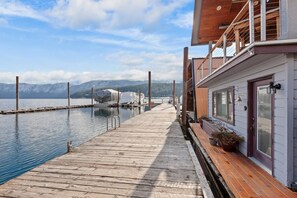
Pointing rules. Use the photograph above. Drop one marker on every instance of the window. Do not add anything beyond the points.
(223, 104)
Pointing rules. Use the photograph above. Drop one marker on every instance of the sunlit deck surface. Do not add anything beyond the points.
(146, 157)
(243, 177)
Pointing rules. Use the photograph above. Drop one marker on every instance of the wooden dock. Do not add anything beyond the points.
(146, 157)
(242, 176)
(43, 109)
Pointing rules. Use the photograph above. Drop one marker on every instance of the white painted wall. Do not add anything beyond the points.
(278, 67)
(295, 118)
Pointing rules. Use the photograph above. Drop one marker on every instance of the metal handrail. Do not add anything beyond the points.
(113, 120)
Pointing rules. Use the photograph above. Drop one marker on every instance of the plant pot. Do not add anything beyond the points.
(213, 141)
(209, 127)
(229, 147)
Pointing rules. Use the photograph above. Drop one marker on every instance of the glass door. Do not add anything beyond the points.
(261, 122)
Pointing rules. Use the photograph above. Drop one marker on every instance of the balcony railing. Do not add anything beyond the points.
(242, 32)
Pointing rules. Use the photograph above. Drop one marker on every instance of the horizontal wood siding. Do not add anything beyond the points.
(275, 67)
(295, 117)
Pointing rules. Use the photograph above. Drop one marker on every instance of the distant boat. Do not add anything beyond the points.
(106, 98)
(131, 98)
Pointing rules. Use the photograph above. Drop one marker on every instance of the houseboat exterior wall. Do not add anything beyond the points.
(281, 68)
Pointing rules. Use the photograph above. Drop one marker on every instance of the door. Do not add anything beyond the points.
(260, 121)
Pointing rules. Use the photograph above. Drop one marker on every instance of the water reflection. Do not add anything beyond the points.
(27, 140)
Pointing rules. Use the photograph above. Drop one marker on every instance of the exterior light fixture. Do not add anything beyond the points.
(219, 8)
(271, 89)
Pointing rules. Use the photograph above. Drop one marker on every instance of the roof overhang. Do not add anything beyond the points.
(254, 54)
(211, 17)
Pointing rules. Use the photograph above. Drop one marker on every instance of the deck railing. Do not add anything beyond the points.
(242, 32)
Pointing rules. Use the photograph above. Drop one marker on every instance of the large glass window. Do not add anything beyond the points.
(223, 104)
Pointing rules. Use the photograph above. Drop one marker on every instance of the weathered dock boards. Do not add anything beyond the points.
(146, 157)
(42, 109)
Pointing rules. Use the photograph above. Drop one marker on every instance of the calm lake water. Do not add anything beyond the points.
(28, 140)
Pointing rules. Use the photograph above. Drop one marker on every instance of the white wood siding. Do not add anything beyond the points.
(276, 67)
(295, 118)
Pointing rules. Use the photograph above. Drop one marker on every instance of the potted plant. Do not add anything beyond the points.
(228, 139)
(208, 125)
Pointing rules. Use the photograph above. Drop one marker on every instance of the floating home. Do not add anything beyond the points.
(248, 80)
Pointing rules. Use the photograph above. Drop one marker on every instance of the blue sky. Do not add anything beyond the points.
(48, 41)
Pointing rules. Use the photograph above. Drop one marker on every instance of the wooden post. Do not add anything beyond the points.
(139, 98)
(149, 89)
(277, 27)
(209, 57)
(118, 97)
(17, 95)
(68, 90)
(237, 41)
(251, 21)
(184, 105)
(92, 96)
(173, 93)
(263, 20)
(225, 48)
(69, 146)
(202, 72)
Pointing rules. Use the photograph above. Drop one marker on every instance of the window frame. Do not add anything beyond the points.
(227, 90)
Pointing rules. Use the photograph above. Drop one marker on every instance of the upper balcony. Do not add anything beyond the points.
(253, 21)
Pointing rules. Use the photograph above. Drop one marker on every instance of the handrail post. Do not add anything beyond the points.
(263, 20)
(225, 47)
(115, 122)
(202, 72)
(210, 57)
(251, 21)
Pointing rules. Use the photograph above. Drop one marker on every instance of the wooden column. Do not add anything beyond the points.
(263, 20)
(251, 21)
(184, 105)
(237, 41)
(225, 48)
(209, 57)
(149, 89)
(173, 93)
(17, 95)
(68, 91)
(92, 96)
(118, 96)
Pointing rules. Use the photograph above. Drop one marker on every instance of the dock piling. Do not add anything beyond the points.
(17, 95)
(173, 93)
(149, 89)
(184, 105)
(69, 146)
(92, 96)
(68, 89)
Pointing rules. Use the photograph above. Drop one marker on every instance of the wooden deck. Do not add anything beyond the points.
(243, 177)
(146, 157)
(43, 109)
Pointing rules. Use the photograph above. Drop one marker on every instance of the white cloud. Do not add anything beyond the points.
(16, 8)
(109, 14)
(80, 77)
(184, 20)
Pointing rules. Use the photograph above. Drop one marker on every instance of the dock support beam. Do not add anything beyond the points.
(184, 106)
(149, 89)
(173, 93)
(17, 95)
(68, 91)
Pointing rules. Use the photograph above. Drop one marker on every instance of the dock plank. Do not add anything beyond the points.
(146, 157)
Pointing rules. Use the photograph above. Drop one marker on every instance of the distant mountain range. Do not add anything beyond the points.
(158, 90)
(59, 90)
